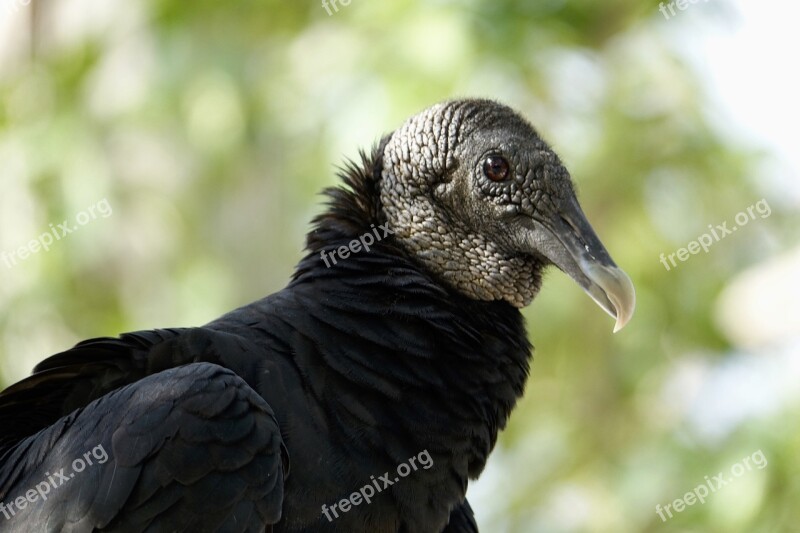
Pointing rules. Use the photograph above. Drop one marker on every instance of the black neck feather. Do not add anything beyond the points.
(452, 367)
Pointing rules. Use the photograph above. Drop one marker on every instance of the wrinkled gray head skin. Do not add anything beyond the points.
(490, 238)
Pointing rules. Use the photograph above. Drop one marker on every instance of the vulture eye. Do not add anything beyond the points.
(496, 168)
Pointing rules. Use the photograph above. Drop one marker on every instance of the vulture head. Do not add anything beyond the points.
(470, 189)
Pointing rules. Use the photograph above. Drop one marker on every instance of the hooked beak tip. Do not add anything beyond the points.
(612, 289)
(569, 242)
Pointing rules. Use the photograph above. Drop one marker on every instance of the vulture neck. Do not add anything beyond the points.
(405, 346)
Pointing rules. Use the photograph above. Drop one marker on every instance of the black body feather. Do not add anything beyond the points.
(357, 367)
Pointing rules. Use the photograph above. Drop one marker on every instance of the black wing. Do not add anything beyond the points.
(462, 520)
(189, 448)
(70, 380)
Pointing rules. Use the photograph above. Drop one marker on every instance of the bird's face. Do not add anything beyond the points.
(471, 190)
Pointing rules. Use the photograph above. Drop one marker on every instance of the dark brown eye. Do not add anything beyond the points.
(496, 168)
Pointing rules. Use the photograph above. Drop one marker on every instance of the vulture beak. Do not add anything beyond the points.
(568, 241)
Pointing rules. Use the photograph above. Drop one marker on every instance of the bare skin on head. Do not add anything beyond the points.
(475, 194)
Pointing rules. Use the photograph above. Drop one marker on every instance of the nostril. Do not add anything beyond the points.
(576, 232)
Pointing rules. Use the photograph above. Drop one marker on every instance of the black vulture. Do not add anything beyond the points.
(360, 398)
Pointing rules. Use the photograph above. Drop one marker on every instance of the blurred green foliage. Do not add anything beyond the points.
(210, 129)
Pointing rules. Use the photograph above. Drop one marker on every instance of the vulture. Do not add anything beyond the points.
(363, 396)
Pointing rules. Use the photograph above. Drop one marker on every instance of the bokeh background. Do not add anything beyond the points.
(210, 128)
